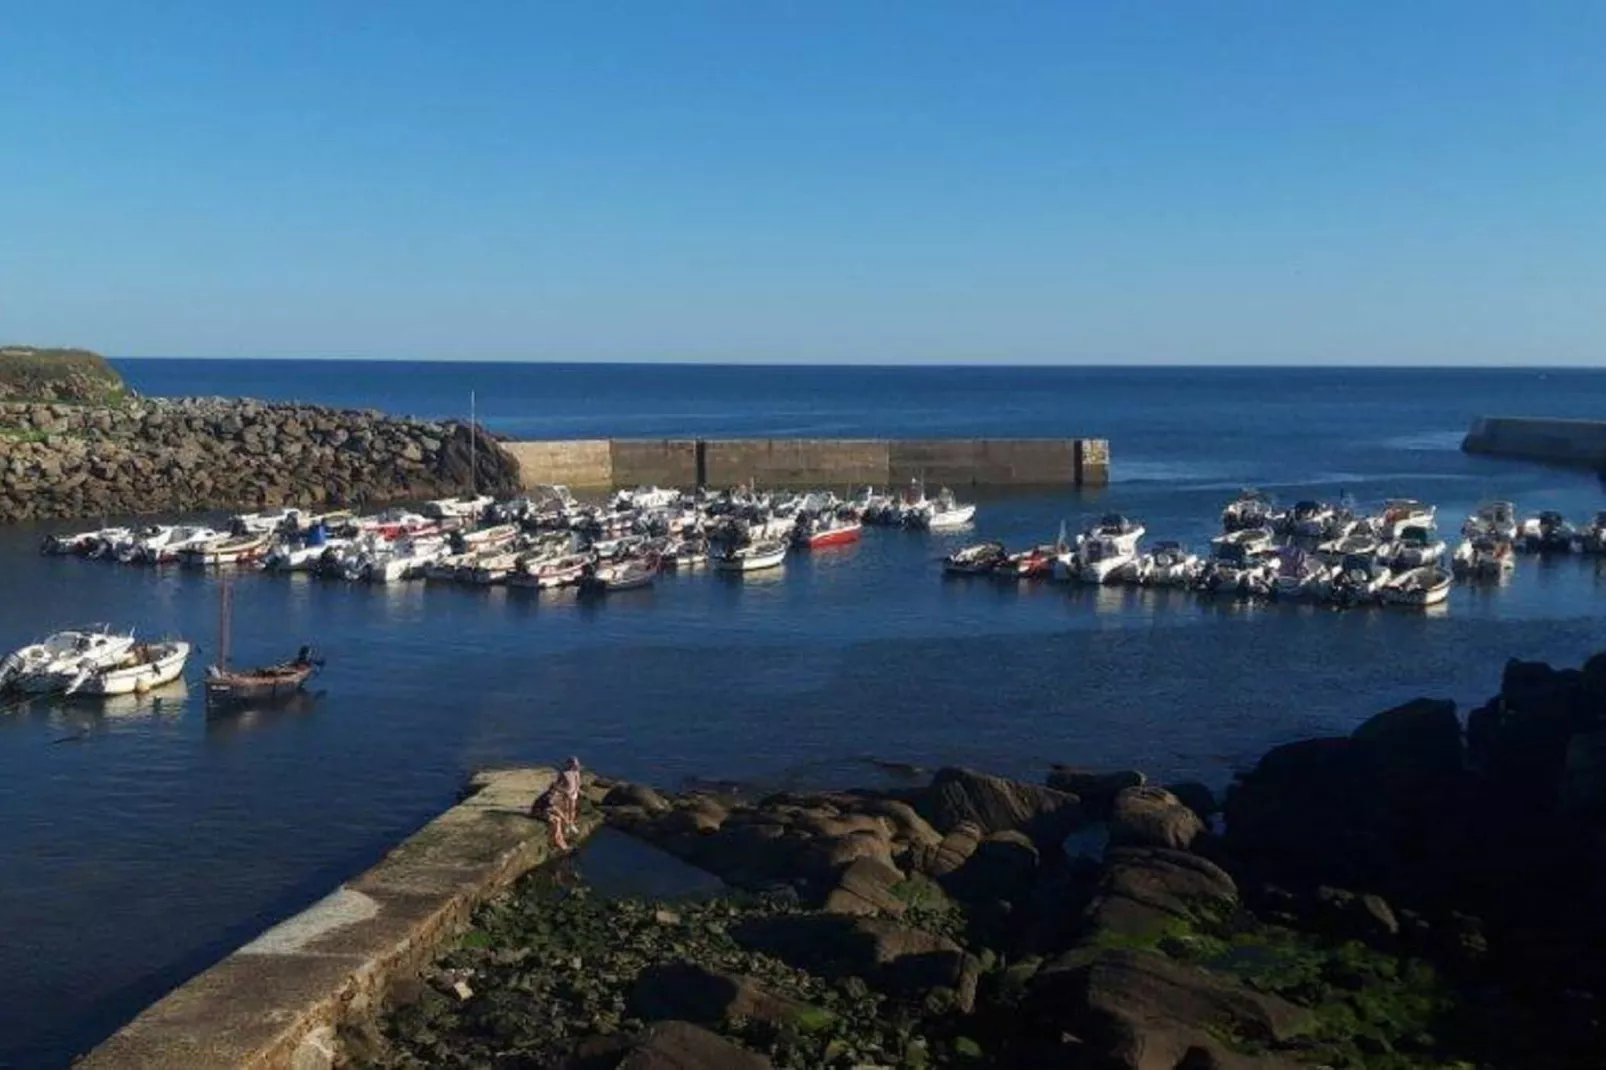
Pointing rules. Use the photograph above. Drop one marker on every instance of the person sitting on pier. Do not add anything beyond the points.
(548, 807)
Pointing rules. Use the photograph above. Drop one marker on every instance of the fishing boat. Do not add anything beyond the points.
(1425, 586)
(144, 544)
(629, 574)
(1357, 580)
(105, 543)
(686, 553)
(54, 663)
(143, 667)
(1483, 556)
(545, 573)
(406, 560)
(229, 550)
(184, 540)
(1124, 531)
(467, 507)
(1308, 520)
(1240, 563)
(977, 560)
(751, 558)
(1357, 544)
(227, 687)
(301, 555)
(1299, 575)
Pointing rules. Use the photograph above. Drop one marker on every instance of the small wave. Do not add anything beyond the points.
(1427, 441)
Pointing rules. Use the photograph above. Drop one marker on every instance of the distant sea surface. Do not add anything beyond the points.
(144, 840)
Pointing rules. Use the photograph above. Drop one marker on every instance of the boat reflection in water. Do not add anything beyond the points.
(166, 701)
(224, 721)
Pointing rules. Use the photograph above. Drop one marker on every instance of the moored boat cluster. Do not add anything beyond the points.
(545, 540)
(1314, 551)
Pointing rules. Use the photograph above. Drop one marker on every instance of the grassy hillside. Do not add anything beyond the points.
(75, 376)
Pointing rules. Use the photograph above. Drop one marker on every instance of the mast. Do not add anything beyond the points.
(225, 599)
(473, 472)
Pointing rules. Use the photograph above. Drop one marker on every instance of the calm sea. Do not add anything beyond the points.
(141, 842)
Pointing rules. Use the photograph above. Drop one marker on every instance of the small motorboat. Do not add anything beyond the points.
(76, 543)
(1498, 518)
(545, 573)
(1357, 580)
(1251, 509)
(229, 550)
(1101, 559)
(144, 544)
(1034, 564)
(628, 574)
(143, 667)
(1399, 514)
(1240, 563)
(1548, 533)
(1357, 544)
(1123, 531)
(1308, 520)
(1416, 546)
(1299, 575)
(1483, 556)
(185, 540)
(819, 532)
(751, 558)
(977, 560)
(942, 513)
(59, 660)
(1169, 564)
(468, 507)
(1425, 586)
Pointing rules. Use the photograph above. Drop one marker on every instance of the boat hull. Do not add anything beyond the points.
(835, 537)
(138, 679)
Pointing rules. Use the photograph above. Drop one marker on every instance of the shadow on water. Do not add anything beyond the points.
(224, 723)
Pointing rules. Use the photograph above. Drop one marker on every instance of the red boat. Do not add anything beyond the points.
(1037, 563)
(839, 534)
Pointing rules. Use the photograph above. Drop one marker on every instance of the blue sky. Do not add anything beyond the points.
(865, 181)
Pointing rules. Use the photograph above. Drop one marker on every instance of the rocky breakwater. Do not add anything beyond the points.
(148, 456)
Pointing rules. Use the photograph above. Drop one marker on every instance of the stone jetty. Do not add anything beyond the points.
(149, 456)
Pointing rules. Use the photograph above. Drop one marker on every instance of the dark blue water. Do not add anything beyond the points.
(142, 842)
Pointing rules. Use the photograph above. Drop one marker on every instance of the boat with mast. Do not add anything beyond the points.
(225, 687)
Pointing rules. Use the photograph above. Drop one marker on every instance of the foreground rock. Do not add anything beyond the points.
(148, 456)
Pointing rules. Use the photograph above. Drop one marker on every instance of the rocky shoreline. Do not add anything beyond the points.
(1414, 895)
(145, 456)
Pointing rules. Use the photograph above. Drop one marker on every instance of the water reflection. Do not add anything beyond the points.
(226, 723)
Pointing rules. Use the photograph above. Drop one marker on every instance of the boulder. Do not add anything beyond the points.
(1143, 1011)
(891, 956)
(1096, 788)
(1582, 791)
(1142, 891)
(1001, 868)
(867, 887)
(1196, 797)
(996, 804)
(663, 1046)
(636, 795)
(1152, 817)
(947, 854)
(683, 991)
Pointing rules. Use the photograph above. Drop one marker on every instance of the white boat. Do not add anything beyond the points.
(302, 555)
(627, 575)
(468, 507)
(1100, 558)
(546, 573)
(60, 659)
(1483, 556)
(228, 550)
(645, 498)
(486, 538)
(267, 523)
(1310, 520)
(1357, 580)
(1124, 532)
(185, 540)
(1300, 575)
(751, 558)
(105, 543)
(75, 543)
(1415, 547)
(1251, 509)
(940, 513)
(1169, 564)
(1358, 544)
(977, 560)
(143, 544)
(1425, 586)
(142, 667)
(1399, 514)
(1242, 540)
(494, 568)
(406, 560)
(1240, 562)
(1498, 518)
(1549, 533)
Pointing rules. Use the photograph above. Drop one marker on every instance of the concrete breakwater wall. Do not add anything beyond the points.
(148, 456)
(813, 462)
(279, 1002)
(1569, 442)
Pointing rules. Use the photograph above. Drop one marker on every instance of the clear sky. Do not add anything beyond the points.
(1401, 181)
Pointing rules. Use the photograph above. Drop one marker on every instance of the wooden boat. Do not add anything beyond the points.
(1425, 586)
(229, 687)
(145, 666)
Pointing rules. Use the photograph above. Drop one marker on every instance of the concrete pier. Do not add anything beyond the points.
(277, 1002)
(1580, 443)
(813, 462)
